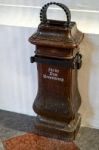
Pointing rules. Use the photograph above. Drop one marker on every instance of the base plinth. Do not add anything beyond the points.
(34, 142)
(57, 130)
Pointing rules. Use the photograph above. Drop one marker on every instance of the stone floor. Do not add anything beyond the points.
(13, 124)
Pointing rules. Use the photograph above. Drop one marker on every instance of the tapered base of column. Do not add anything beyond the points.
(35, 142)
(57, 130)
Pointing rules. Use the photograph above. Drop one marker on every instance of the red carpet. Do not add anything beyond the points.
(35, 142)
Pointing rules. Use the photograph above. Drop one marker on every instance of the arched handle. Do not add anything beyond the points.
(43, 16)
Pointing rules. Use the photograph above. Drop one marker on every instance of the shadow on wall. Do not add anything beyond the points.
(86, 108)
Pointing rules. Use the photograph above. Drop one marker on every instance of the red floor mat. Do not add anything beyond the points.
(35, 142)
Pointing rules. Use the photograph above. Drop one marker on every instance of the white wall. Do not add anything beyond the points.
(18, 80)
(89, 81)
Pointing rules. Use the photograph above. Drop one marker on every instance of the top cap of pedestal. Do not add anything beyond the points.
(54, 33)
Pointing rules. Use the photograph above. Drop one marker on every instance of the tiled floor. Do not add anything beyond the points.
(13, 124)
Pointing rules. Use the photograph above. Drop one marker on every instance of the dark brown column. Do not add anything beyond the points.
(58, 61)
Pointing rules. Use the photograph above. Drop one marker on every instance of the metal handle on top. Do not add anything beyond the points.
(43, 12)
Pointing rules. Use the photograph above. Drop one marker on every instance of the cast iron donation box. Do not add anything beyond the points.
(58, 60)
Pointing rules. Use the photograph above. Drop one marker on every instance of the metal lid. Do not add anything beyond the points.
(54, 33)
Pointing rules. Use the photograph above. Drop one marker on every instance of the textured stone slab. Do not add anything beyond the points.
(34, 142)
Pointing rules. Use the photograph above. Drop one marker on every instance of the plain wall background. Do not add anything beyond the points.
(18, 78)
